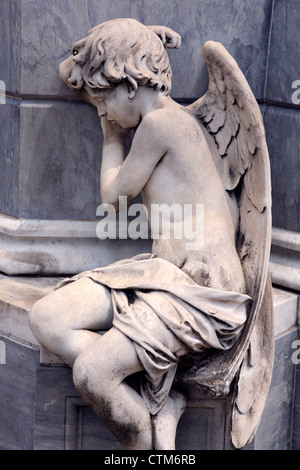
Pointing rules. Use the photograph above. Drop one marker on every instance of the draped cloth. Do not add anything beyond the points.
(167, 315)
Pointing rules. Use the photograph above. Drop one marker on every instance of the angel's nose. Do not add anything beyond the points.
(101, 110)
(65, 69)
(73, 83)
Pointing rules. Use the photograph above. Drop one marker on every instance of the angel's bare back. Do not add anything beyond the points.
(186, 175)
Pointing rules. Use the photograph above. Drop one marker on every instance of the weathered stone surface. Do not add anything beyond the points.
(285, 259)
(283, 138)
(9, 158)
(275, 430)
(241, 26)
(17, 396)
(17, 295)
(60, 155)
(63, 421)
(74, 247)
(286, 310)
(10, 34)
(284, 64)
(47, 28)
(296, 421)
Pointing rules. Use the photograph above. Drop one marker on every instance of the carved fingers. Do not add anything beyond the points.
(169, 38)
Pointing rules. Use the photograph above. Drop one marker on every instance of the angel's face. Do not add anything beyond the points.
(118, 108)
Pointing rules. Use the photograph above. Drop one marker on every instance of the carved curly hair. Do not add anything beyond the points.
(121, 50)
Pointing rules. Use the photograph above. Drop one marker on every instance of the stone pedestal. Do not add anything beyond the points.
(40, 408)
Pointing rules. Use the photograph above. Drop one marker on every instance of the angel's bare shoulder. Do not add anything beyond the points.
(172, 124)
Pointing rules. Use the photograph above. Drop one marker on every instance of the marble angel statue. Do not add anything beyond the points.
(213, 301)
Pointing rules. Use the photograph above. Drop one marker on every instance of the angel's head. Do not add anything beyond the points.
(118, 51)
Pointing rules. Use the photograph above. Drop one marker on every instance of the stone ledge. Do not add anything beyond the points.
(18, 294)
(285, 259)
(64, 247)
(286, 306)
(59, 247)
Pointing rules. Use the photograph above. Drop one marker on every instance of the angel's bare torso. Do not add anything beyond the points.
(186, 174)
(170, 163)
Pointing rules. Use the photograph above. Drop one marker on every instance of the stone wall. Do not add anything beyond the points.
(51, 145)
(282, 116)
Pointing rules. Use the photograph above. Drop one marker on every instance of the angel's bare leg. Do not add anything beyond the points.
(99, 374)
(62, 320)
(166, 421)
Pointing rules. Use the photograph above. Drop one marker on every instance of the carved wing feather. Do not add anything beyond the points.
(231, 116)
(233, 126)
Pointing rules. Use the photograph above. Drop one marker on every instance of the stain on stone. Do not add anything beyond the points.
(224, 280)
(182, 263)
(126, 433)
(29, 263)
(203, 277)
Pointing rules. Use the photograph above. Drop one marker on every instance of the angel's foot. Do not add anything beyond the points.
(166, 421)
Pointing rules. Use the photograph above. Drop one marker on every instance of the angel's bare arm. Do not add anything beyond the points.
(113, 152)
(128, 177)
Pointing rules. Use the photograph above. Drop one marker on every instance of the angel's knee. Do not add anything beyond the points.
(42, 320)
(94, 383)
(100, 369)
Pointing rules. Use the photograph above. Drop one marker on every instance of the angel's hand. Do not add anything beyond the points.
(112, 132)
(169, 38)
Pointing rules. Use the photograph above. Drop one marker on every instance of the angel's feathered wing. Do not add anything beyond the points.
(232, 123)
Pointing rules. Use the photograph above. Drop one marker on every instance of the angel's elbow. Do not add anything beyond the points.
(110, 202)
(115, 198)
